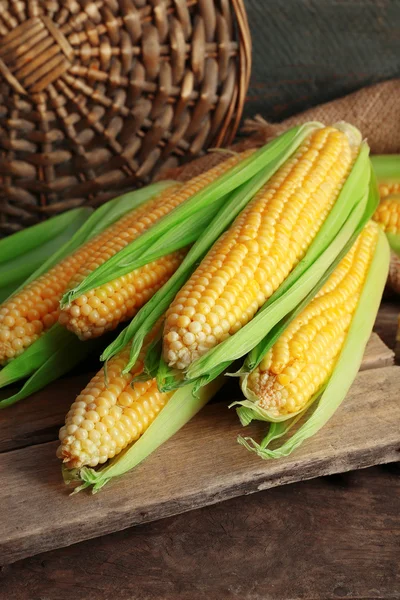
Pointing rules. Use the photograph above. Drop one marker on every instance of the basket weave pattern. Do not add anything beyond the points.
(96, 95)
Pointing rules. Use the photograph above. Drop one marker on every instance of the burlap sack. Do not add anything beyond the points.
(375, 110)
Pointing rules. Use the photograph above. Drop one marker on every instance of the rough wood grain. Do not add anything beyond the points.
(38, 419)
(363, 432)
(327, 538)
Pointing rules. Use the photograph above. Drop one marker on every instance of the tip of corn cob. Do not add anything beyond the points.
(109, 414)
(353, 134)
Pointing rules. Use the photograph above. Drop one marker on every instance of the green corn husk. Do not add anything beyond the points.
(65, 356)
(146, 318)
(335, 390)
(25, 251)
(58, 350)
(386, 167)
(180, 408)
(337, 230)
(184, 224)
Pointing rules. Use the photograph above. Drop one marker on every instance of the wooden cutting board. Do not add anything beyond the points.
(201, 465)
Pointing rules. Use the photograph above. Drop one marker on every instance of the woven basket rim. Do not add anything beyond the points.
(181, 90)
(228, 129)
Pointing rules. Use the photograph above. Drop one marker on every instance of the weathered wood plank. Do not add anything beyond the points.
(38, 418)
(331, 537)
(201, 465)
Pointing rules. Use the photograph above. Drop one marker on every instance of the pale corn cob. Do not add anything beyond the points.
(35, 308)
(105, 418)
(302, 359)
(388, 214)
(387, 189)
(102, 308)
(249, 262)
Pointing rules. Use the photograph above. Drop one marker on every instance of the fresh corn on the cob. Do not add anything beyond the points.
(314, 355)
(102, 308)
(302, 359)
(388, 213)
(107, 416)
(387, 189)
(250, 261)
(35, 308)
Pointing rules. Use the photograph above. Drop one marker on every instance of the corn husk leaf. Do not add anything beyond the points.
(25, 251)
(145, 319)
(184, 224)
(343, 375)
(51, 366)
(334, 234)
(180, 408)
(29, 239)
(42, 350)
(386, 167)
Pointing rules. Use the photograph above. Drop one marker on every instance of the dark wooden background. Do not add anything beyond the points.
(310, 51)
(335, 537)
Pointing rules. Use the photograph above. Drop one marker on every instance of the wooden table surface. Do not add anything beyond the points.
(332, 537)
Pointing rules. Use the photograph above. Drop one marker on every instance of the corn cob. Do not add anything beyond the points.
(34, 309)
(387, 189)
(301, 361)
(250, 261)
(388, 213)
(102, 308)
(106, 417)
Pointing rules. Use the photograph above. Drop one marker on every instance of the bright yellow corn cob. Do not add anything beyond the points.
(387, 189)
(303, 358)
(388, 214)
(249, 262)
(102, 308)
(104, 419)
(35, 308)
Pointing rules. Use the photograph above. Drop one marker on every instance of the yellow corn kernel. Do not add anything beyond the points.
(266, 241)
(387, 189)
(388, 214)
(303, 358)
(104, 419)
(102, 308)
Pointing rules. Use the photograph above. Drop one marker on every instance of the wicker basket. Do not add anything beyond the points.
(96, 95)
